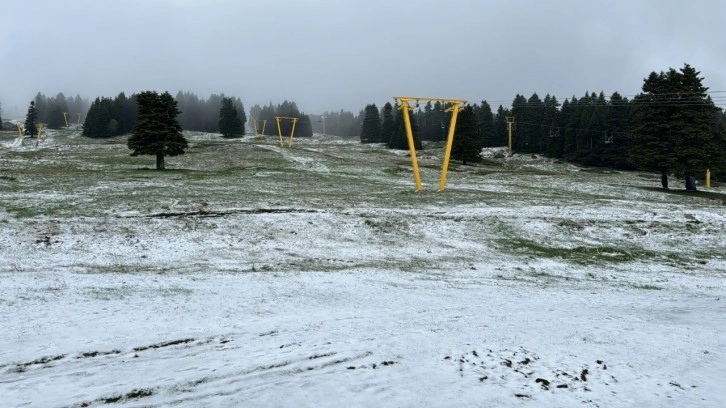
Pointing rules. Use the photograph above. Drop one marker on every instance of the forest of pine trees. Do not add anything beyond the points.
(287, 109)
(56, 110)
(108, 117)
(672, 127)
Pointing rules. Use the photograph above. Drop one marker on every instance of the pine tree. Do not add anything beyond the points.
(229, 123)
(501, 131)
(98, 121)
(617, 141)
(371, 129)
(304, 127)
(30, 120)
(530, 122)
(399, 139)
(519, 111)
(157, 131)
(552, 142)
(55, 117)
(467, 142)
(387, 123)
(675, 128)
(485, 120)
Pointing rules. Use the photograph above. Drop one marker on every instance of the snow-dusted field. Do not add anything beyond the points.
(315, 276)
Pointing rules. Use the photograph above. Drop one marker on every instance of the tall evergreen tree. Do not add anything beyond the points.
(501, 131)
(399, 140)
(99, 119)
(371, 129)
(531, 122)
(674, 124)
(41, 108)
(387, 123)
(55, 117)
(617, 141)
(519, 111)
(551, 141)
(229, 123)
(485, 120)
(31, 119)
(267, 115)
(157, 131)
(568, 127)
(304, 126)
(467, 142)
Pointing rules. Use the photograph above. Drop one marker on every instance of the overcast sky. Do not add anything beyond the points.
(328, 55)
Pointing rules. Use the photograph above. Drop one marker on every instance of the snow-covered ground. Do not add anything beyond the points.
(250, 275)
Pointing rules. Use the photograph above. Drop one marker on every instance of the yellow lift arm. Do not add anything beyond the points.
(279, 130)
(456, 105)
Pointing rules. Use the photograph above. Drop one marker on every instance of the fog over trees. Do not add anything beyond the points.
(673, 126)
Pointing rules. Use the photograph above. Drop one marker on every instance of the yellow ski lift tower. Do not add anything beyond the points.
(259, 133)
(510, 122)
(454, 109)
(79, 119)
(40, 130)
(279, 130)
(65, 118)
(20, 130)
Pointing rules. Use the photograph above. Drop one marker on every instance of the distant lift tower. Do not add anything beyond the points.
(259, 133)
(454, 109)
(510, 123)
(279, 129)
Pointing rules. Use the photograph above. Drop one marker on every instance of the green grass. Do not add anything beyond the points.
(71, 176)
(711, 195)
(583, 255)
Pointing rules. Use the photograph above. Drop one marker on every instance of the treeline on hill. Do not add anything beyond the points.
(54, 111)
(108, 117)
(672, 127)
(266, 114)
(341, 123)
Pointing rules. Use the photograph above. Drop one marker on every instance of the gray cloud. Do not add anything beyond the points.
(328, 55)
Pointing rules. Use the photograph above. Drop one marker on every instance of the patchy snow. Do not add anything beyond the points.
(314, 276)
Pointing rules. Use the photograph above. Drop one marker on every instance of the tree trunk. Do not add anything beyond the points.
(160, 161)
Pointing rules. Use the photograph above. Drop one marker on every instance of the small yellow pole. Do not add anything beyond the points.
(294, 121)
(20, 130)
(708, 178)
(411, 146)
(65, 118)
(449, 143)
(279, 131)
(40, 130)
(510, 122)
(79, 120)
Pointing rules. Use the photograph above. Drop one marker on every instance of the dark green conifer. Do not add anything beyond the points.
(230, 124)
(157, 131)
(371, 129)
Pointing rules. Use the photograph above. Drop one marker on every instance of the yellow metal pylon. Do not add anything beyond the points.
(279, 130)
(456, 105)
(259, 134)
(510, 122)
